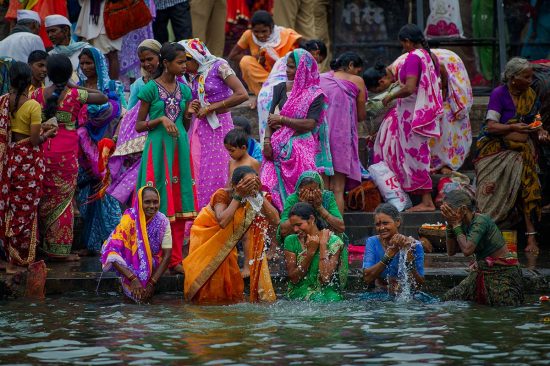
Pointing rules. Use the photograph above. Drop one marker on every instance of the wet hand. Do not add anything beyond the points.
(450, 215)
(324, 236)
(246, 186)
(169, 126)
(136, 289)
(312, 244)
(316, 198)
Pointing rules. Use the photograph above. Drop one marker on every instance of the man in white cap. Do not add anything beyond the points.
(23, 38)
(59, 32)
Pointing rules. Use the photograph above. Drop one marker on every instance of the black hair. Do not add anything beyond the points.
(243, 123)
(262, 17)
(414, 34)
(304, 211)
(345, 59)
(169, 52)
(389, 210)
(37, 55)
(236, 138)
(240, 172)
(20, 79)
(315, 45)
(372, 75)
(149, 188)
(60, 70)
(87, 52)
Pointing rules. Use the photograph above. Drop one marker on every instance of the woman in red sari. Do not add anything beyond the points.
(61, 103)
(21, 169)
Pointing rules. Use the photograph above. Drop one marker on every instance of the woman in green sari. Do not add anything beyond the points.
(316, 259)
(495, 277)
(310, 188)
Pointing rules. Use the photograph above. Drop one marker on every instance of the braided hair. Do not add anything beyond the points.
(414, 34)
(60, 70)
(20, 79)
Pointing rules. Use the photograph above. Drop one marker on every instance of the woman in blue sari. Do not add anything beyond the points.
(99, 211)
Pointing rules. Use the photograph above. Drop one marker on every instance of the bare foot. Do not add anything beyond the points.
(177, 269)
(252, 104)
(245, 272)
(422, 207)
(13, 269)
(532, 245)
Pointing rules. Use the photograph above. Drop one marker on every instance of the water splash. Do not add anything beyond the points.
(406, 282)
(256, 201)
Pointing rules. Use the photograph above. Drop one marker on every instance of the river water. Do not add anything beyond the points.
(90, 329)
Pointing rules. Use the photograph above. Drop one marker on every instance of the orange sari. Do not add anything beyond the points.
(212, 274)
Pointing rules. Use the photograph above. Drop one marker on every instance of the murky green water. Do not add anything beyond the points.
(87, 329)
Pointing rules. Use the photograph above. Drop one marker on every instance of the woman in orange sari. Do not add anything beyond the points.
(266, 43)
(212, 274)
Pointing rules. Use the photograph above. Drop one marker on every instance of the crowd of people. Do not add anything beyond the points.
(169, 179)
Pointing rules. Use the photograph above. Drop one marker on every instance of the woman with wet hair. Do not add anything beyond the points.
(346, 91)
(403, 141)
(61, 104)
(212, 274)
(382, 253)
(316, 259)
(496, 277)
(506, 167)
(21, 169)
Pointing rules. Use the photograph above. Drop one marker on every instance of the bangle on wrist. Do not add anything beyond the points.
(132, 277)
(457, 230)
(153, 281)
(223, 103)
(386, 260)
(147, 125)
(237, 198)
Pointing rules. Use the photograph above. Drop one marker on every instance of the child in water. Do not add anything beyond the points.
(235, 143)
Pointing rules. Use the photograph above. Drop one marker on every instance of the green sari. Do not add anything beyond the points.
(310, 288)
(329, 202)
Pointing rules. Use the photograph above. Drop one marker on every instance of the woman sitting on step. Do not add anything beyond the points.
(495, 277)
(139, 248)
(384, 264)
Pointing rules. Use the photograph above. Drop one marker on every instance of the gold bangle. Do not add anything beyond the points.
(223, 103)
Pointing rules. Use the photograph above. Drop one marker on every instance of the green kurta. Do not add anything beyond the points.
(166, 163)
(310, 288)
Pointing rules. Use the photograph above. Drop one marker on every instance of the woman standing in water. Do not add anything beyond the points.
(64, 102)
(217, 88)
(21, 169)
(165, 163)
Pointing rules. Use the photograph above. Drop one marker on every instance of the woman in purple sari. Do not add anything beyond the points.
(140, 246)
(215, 85)
(347, 95)
(403, 139)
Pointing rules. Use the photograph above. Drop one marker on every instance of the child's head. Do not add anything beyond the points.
(242, 123)
(236, 143)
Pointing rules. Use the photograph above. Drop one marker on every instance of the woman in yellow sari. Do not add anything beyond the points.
(266, 43)
(212, 274)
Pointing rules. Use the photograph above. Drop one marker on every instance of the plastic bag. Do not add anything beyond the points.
(444, 19)
(389, 186)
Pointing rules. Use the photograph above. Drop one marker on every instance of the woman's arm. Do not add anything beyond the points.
(335, 223)
(497, 128)
(299, 125)
(361, 99)
(270, 212)
(143, 125)
(327, 262)
(406, 90)
(236, 54)
(285, 229)
(296, 272)
(239, 95)
(370, 274)
(451, 243)
(224, 213)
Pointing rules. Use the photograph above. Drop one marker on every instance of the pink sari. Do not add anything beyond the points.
(403, 139)
(293, 154)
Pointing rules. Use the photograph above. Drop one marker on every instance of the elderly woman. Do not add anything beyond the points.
(403, 140)
(381, 261)
(310, 189)
(505, 164)
(496, 277)
(296, 139)
(212, 274)
(316, 259)
(140, 246)
(453, 146)
(215, 85)
(266, 43)
(347, 95)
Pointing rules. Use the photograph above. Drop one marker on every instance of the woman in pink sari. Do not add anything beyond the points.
(296, 139)
(403, 139)
(347, 94)
(61, 103)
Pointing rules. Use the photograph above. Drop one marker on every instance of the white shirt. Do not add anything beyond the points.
(20, 45)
